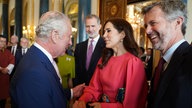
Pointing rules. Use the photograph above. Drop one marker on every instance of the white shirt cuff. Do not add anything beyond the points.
(71, 93)
(10, 68)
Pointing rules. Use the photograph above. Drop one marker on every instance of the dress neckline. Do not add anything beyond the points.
(120, 55)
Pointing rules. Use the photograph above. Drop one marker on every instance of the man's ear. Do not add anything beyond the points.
(54, 36)
(179, 22)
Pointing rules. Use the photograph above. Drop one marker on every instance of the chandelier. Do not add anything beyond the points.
(29, 32)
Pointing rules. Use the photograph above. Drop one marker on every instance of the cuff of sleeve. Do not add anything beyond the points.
(10, 68)
(71, 93)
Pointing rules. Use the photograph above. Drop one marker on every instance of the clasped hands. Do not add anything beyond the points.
(77, 92)
(82, 104)
(4, 70)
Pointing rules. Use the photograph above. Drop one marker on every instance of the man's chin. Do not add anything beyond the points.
(92, 36)
(62, 54)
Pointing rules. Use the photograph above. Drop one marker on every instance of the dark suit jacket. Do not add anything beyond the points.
(18, 56)
(143, 58)
(18, 47)
(82, 75)
(149, 68)
(175, 87)
(35, 83)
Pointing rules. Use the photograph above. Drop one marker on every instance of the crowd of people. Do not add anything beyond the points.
(106, 71)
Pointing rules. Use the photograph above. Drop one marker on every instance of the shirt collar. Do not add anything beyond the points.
(95, 39)
(15, 45)
(168, 54)
(24, 48)
(44, 51)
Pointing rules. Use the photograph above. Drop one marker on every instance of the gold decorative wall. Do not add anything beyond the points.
(134, 16)
(71, 9)
(112, 8)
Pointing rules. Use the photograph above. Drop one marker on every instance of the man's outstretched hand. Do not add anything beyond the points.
(78, 90)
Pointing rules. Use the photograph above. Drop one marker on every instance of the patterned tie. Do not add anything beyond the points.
(13, 50)
(23, 51)
(89, 54)
(158, 72)
(147, 59)
(57, 70)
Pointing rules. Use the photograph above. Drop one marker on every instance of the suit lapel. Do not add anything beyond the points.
(84, 52)
(170, 71)
(52, 70)
(45, 61)
(51, 73)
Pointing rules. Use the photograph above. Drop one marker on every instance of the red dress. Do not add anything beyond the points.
(6, 58)
(125, 71)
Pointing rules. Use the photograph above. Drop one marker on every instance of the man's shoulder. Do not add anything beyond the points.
(188, 53)
(188, 50)
(9, 47)
(18, 46)
(7, 51)
(82, 43)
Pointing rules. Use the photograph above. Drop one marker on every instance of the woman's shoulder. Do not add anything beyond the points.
(131, 57)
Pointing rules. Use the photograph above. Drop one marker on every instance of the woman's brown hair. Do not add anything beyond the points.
(128, 42)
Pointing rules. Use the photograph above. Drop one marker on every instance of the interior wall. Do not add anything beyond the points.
(188, 35)
(36, 12)
(95, 7)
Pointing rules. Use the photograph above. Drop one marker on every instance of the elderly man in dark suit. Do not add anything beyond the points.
(165, 24)
(14, 45)
(24, 45)
(37, 82)
(84, 64)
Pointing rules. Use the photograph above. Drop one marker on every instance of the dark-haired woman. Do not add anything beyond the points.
(119, 81)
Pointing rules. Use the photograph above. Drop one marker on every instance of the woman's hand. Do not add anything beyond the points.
(95, 105)
(79, 104)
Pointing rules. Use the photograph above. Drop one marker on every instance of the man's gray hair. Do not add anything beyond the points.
(172, 9)
(24, 38)
(52, 20)
(94, 16)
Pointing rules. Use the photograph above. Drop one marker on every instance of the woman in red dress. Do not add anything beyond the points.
(119, 81)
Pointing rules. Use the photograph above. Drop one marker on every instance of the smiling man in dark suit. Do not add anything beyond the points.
(84, 66)
(165, 24)
(36, 82)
